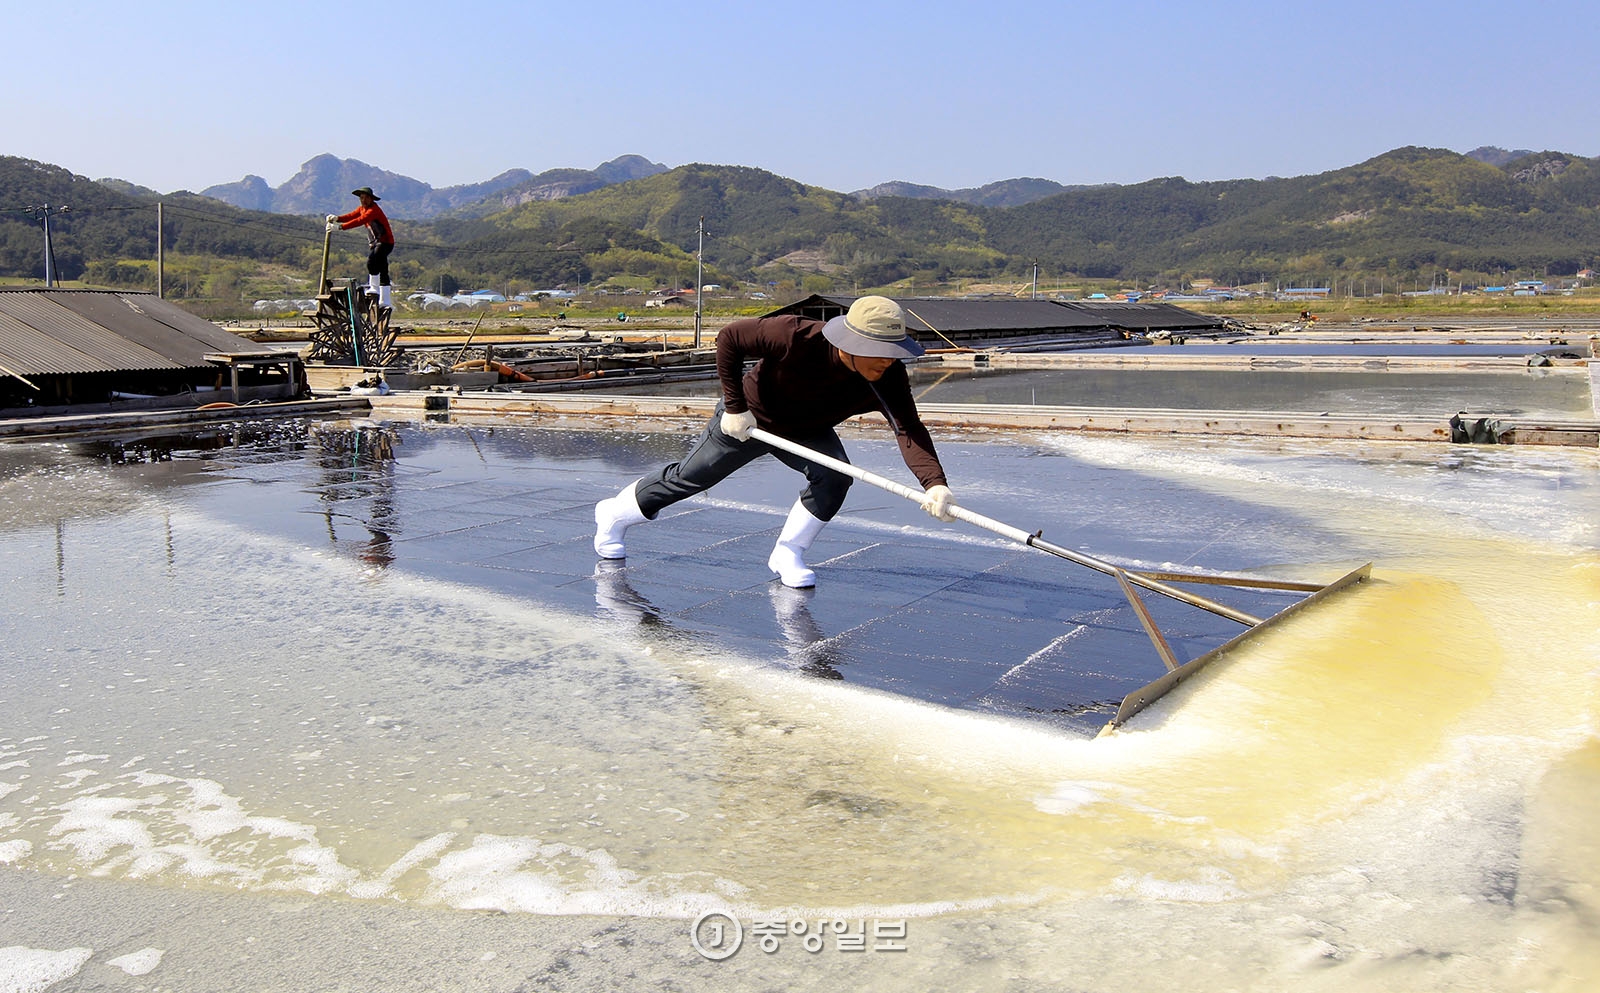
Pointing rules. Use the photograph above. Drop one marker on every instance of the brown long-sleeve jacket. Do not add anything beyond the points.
(799, 387)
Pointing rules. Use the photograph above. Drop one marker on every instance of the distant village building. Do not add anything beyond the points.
(1304, 293)
(557, 294)
(430, 301)
(284, 305)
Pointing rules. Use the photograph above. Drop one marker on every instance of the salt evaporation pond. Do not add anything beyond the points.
(340, 708)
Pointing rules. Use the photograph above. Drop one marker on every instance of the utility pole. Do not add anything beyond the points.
(161, 256)
(49, 252)
(1035, 282)
(699, 280)
(43, 212)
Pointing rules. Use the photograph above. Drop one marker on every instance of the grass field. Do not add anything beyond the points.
(1582, 303)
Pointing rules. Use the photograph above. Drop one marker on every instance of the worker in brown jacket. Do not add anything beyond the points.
(810, 376)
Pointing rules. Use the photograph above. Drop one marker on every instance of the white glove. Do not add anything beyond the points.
(937, 500)
(738, 426)
(332, 218)
(331, 226)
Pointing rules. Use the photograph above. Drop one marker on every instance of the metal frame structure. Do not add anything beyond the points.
(351, 328)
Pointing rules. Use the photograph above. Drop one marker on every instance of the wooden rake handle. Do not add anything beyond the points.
(1032, 539)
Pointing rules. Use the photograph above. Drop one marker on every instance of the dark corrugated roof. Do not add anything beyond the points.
(817, 306)
(970, 316)
(929, 317)
(1143, 316)
(55, 332)
(992, 318)
(64, 342)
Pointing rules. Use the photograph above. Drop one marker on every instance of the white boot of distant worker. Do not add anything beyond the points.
(788, 556)
(372, 284)
(384, 297)
(613, 516)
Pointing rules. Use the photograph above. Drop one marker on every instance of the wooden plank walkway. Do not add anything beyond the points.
(139, 420)
(1179, 357)
(1153, 421)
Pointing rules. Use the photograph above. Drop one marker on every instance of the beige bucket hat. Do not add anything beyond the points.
(874, 327)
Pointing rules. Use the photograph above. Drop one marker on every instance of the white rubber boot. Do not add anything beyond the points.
(384, 297)
(613, 516)
(788, 556)
(372, 284)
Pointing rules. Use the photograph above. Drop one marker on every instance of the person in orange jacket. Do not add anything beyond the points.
(380, 240)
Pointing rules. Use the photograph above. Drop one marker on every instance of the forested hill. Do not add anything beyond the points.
(1409, 211)
(1412, 212)
(106, 226)
(1005, 193)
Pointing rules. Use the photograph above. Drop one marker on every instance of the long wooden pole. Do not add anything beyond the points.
(464, 344)
(17, 375)
(1006, 530)
(935, 330)
(322, 281)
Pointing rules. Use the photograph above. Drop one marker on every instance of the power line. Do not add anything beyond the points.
(414, 245)
(294, 229)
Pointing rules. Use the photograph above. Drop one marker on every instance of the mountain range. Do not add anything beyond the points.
(1411, 213)
(1408, 211)
(324, 182)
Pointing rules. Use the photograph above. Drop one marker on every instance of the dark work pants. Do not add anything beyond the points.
(378, 263)
(715, 456)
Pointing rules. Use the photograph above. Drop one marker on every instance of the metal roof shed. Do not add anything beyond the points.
(996, 319)
(1144, 316)
(103, 343)
(983, 318)
(52, 331)
(38, 337)
(958, 320)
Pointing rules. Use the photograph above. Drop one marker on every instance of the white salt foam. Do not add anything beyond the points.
(32, 970)
(138, 963)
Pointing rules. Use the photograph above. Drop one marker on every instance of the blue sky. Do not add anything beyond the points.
(180, 95)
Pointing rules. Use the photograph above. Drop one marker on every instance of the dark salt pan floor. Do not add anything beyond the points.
(947, 614)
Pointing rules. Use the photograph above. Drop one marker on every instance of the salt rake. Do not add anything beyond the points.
(1128, 579)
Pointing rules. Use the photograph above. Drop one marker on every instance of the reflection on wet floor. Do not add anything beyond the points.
(943, 614)
(358, 465)
(935, 613)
